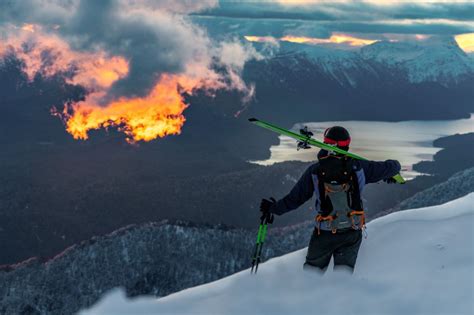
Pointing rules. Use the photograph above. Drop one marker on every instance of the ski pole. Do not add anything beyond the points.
(261, 246)
(257, 244)
(262, 232)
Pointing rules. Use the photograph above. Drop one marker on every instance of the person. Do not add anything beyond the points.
(337, 181)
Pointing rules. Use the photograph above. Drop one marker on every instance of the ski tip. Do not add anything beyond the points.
(253, 119)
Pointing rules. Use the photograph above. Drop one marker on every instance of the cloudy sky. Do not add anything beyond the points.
(374, 19)
(136, 58)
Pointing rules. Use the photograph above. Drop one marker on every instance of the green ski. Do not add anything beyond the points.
(305, 140)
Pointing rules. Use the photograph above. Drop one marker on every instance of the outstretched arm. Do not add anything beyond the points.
(301, 192)
(376, 171)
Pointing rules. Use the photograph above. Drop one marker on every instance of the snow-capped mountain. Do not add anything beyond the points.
(413, 262)
(431, 60)
(439, 59)
(343, 66)
(384, 81)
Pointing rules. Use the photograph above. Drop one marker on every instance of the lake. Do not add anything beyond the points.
(408, 141)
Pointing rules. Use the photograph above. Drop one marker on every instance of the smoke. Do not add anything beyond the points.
(124, 52)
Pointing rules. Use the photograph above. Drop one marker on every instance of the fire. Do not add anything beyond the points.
(158, 114)
(155, 115)
(465, 42)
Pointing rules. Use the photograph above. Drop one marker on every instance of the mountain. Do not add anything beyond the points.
(153, 258)
(457, 155)
(139, 258)
(430, 60)
(57, 192)
(458, 185)
(387, 81)
(405, 266)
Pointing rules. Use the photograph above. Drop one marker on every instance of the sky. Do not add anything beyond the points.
(130, 55)
(319, 20)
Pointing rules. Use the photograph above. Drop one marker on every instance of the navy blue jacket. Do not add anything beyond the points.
(367, 172)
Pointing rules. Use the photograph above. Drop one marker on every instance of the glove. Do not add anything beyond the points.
(390, 180)
(265, 207)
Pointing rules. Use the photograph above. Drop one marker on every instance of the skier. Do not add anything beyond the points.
(337, 181)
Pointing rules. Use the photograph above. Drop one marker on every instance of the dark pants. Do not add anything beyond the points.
(344, 246)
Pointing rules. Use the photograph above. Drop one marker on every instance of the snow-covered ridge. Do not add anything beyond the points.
(413, 262)
(431, 60)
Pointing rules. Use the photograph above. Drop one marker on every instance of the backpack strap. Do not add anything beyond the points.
(326, 204)
(354, 199)
(329, 218)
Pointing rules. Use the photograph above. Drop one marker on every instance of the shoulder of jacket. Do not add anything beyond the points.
(357, 165)
(312, 169)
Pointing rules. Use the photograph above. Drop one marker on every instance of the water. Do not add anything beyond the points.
(409, 141)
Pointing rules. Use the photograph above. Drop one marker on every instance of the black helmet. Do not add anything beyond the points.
(338, 136)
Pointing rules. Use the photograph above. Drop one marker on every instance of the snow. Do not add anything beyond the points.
(436, 59)
(413, 262)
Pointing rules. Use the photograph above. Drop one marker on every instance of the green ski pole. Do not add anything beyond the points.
(262, 232)
(257, 244)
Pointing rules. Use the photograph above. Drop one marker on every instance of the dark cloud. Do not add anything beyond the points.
(156, 37)
(270, 18)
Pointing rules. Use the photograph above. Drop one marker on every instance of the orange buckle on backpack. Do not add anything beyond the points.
(330, 218)
(362, 218)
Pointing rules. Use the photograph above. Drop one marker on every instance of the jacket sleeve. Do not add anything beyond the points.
(377, 171)
(301, 192)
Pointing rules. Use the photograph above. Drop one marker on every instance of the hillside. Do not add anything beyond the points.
(405, 267)
(458, 185)
(139, 257)
(150, 259)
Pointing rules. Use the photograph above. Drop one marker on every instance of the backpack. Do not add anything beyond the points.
(338, 187)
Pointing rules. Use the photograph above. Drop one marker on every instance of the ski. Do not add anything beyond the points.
(305, 140)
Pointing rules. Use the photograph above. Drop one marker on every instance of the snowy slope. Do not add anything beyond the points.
(345, 67)
(413, 262)
(437, 59)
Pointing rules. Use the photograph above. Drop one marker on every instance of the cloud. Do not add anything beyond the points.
(136, 58)
(311, 17)
(181, 6)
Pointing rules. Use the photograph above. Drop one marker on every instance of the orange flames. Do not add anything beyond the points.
(334, 39)
(158, 114)
(142, 119)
